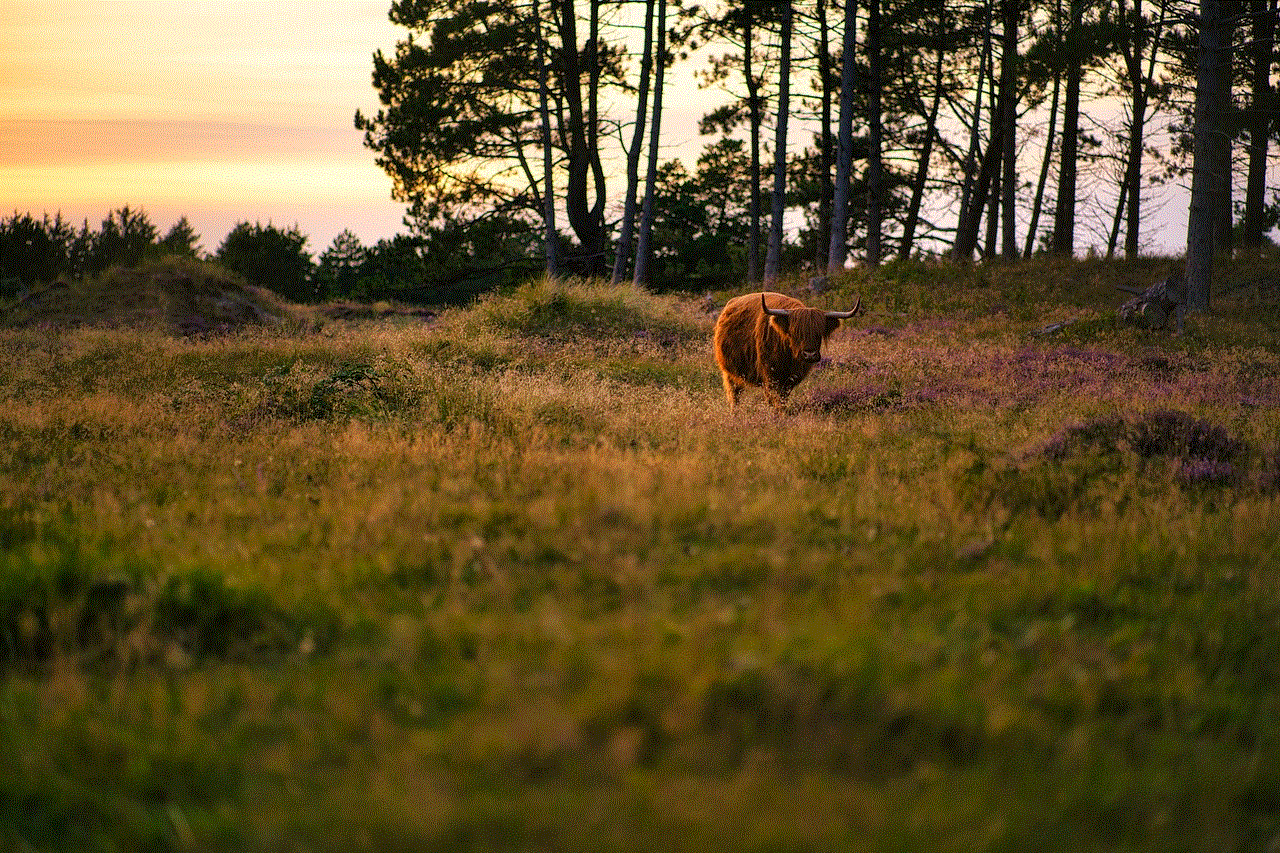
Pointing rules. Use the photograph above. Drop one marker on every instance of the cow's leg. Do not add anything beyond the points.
(732, 390)
(776, 393)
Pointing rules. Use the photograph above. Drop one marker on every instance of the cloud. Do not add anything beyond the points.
(81, 142)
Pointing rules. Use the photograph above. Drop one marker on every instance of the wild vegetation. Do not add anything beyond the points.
(514, 578)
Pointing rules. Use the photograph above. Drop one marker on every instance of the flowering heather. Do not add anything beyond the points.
(1177, 434)
(1207, 472)
(1269, 477)
(965, 373)
(1202, 453)
(1162, 433)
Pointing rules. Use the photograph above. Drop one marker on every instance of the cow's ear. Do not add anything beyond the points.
(833, 323)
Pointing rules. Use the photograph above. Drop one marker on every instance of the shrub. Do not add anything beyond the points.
(1060, 473)
(1168, 433)
(32, 250)
(270, 257)
(568, 309)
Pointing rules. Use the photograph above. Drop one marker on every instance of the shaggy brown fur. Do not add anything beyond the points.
(770, 351)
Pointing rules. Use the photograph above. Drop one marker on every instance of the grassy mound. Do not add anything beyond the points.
(171, 295)
(574, 309)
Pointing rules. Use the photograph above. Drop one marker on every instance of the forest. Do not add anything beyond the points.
(870, 130)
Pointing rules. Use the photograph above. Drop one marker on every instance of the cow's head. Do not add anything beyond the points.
(804, 329)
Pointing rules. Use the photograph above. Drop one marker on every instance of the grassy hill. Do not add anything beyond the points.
(171, 295)
(515, 578)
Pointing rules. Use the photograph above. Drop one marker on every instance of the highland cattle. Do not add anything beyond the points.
(771, 341)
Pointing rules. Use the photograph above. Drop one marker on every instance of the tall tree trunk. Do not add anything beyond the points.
(1045, 163)
(1131, 48)
(1261, 115)
(926, 148)
(971, 201)
(1130, 196)
(544, 113)
(1064, 217)
(993, 204)
(991, 194)
(581, 216)
(643, 252)
(1008, 119)
(1122, 197)
(1210, 73)
(593, 124)
(773, 257)
(1223, 140)
(623, 256)
(1135, 186)
(967, 234)
(875, 166)
(839, 250)
(755, 119)
(822, 244)
(1044, 168)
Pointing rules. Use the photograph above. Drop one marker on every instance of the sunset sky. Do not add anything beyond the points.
(222, 111)
(230, 110)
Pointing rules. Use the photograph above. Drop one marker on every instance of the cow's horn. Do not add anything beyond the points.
(777, 312)
(845, 315)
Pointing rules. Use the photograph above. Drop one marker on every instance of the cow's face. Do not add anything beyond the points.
(804, 330)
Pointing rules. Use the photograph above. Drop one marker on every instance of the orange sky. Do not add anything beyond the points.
(234, 110)
(222, 111)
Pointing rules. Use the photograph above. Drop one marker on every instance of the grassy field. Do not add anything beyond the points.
(513, 578)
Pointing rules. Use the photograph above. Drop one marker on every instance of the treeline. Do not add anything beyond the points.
(431, 267)
(869, 128)
(45, 249)
(699, 237)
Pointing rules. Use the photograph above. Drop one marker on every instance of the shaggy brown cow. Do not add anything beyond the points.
(771, 341)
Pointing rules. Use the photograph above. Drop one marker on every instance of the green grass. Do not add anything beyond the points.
(516, 579)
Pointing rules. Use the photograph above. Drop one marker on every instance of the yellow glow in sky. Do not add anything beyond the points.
(220, 111)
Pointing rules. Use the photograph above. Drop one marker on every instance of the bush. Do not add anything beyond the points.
(567, 309)
(270, 257)
(32, 250)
